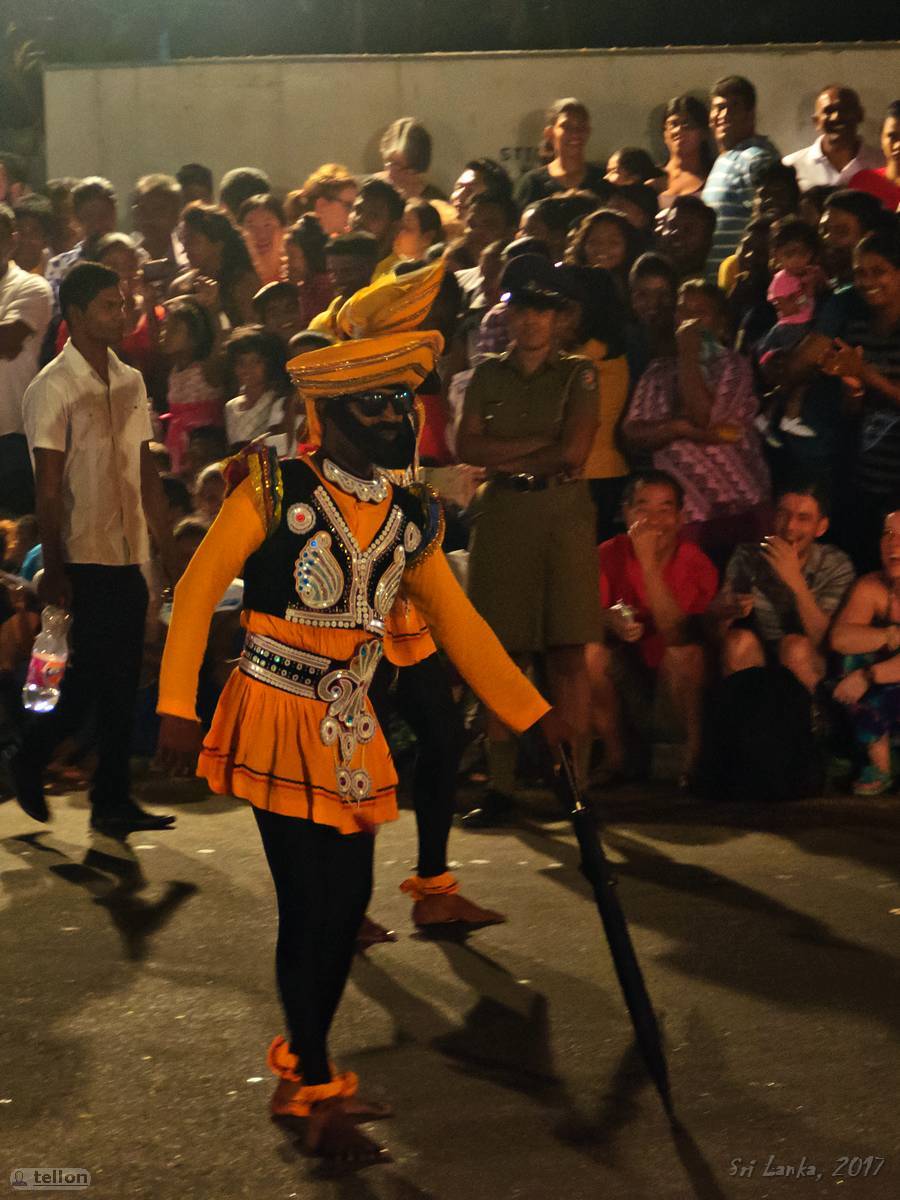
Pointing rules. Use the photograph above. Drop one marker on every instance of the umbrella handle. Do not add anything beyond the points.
(566, 768)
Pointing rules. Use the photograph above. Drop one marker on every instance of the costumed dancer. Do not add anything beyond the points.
(423, 693)
(324, 543)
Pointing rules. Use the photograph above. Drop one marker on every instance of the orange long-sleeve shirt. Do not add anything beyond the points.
(430, 584)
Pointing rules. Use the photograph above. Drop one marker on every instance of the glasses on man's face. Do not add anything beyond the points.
(373, 404)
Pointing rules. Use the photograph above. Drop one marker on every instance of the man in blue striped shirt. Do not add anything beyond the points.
(743, 156)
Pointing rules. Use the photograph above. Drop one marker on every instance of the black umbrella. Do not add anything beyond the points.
(596, 869)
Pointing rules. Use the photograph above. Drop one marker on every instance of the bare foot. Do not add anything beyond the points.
(455, 908)
(372, 934)
(331, 1133)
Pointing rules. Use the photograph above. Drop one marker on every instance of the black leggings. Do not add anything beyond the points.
(323, 881)
(424, 700)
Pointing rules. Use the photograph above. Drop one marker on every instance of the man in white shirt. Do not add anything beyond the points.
(25, 306)
(838, 153)
(88, 425)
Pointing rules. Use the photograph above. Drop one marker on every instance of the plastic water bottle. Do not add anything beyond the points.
(48, 661)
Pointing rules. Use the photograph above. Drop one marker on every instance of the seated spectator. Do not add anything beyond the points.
(25, 306)
(653, 293)
(216, 252)
(263, 225)
(350, 261)
(196, 183)
(488, 219)
(406, 154)
(631, 165)
(884, 182)
(812, 204)
(239, 185)
(686, 137)
(694, 411)
(605, 239)
(780, 595)
(66, 229)
(743, 156)
(867, 633)
(637, 202)
(684, 233)
(328, 195)
(652, 582)
(478, 176)
(34, 233)
(156, 211)
(14, 185)
(378, 210)
(748, 306)
(266, 404)
(846, 218)
(94, 208)
(551, 220)
(304, 266)
(566, 134)
(277, 308)
(209, 484)
(195, 396)
(776, 198)
(420, 229)
(178, 499)
(593, 328)
(857, 339)
(838, 153)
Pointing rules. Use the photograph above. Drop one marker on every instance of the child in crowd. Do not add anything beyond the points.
(209, 492)
(796, 283)
(195, 399)
(277, 308)
(265, 406)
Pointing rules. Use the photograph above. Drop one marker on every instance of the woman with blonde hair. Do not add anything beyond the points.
(328, 194)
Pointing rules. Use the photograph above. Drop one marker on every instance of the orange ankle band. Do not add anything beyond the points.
(432, 885)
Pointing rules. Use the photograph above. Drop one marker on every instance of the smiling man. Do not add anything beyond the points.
(838, 153)
(743, 156)
(784, 591)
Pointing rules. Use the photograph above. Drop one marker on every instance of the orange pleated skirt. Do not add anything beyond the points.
(265, 746)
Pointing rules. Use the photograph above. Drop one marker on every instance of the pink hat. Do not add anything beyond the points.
(783, 285)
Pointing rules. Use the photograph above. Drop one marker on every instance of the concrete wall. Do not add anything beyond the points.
(289, 115)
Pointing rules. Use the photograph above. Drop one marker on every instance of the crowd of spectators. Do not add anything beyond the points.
(666, 421)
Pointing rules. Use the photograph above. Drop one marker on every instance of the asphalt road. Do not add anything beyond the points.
(138, 1002)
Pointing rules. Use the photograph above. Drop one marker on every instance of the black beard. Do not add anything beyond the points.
(384, 445)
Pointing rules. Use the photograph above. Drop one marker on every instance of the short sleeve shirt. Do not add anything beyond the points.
(24, 298)
(513, 405)
(538, 184)
(689, 575)
(729, 191)
(828, 573)
(100, 429)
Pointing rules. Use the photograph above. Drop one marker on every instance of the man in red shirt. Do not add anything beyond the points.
(651, 584)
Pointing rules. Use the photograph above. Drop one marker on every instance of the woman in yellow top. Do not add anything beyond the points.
(324, 544)
(595, 329)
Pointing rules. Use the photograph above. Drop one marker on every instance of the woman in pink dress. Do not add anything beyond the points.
(195, 397)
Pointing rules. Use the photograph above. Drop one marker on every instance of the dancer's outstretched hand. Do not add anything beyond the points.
(179, 746)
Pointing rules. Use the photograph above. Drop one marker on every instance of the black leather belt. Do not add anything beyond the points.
(529, 483)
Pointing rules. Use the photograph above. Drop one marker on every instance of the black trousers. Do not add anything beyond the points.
(424, 700)
(106, 641)
(16, 478)
(323, 882)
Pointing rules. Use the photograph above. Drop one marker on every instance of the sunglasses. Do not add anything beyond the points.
(372, 404)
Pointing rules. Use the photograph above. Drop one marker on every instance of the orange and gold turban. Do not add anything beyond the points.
(381, 340)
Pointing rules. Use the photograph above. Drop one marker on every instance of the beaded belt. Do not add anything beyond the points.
(283, 667)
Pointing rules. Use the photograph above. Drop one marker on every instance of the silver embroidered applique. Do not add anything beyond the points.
(348, 724)
(412, 538)
(300, 518)
(370, 491)
(318, 577)
(389, 583)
